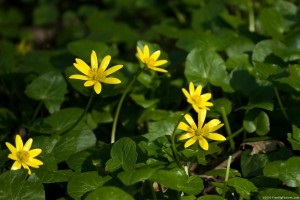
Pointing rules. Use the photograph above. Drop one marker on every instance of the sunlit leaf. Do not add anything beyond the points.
(242, 186)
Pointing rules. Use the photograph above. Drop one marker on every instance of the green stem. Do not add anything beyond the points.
(115, 122)
(227, 127)
(226, 176)
(251, 16)
(81, 116)
(37, 110)
(280, 104)
(173, 137)
(235, 133)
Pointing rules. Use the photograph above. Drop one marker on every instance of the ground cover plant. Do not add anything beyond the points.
(148, 99)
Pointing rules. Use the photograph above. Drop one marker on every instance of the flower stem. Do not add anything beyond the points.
(115, 122)
(152, 190)
(227, 127)
(251, 16)
(81, 116)
(175, 153)
(280, 104)
(235, 133)
(226, 176)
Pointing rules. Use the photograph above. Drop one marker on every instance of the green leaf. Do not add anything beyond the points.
(294, 138)
(277, 192)
(222, 172)
(293, 79)
(50, 88)
(108, 193)
(123, 154)
(77, 140)
(271, 22)
(45, 14)
(162, 127)
(258, 121)
(47, 176)
(177, 179)
(210, 197)
(242, 186)
(136, 175)
(203, 67)
(61, 120)
(83, 49)
(140, 100)
(220, 104)
(242, 81)
(287, 171)
(82, 183)
(13, 185)
(252, 165)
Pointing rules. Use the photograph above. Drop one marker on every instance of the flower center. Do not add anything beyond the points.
(149, 62)
(197, 100)
(199, 132)
(23, 156)
(97, 75)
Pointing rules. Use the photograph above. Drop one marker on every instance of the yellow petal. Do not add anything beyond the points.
(214, 125)
(82, 66)
(203, 143)
(105, 63)
(190, 120)
(146, 52)
(155, 55)
(201, 117)
(186, 94)
(12, 149)
(19, 143)
(215, 136)
(183, 126)
(158, 69)
(89, 83)
(190, 142)
(13, 156)
(35, 152)
(140, 54)
(16, 165)
(94, 60)
(98, 87)
(79, 76)
(191, 88)
(198, 90)
(27, 145)
(113, 69)
(160, 62)
(111, 80)
(186, 136)
(206, 96)
(34, 163)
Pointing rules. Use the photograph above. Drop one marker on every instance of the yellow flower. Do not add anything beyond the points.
(195, 98)
(200, 132)
(94, 75)
(151, 60)
(22, 155)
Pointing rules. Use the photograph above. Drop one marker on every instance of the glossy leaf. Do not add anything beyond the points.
(203, 67)
(242, 186)
(287, 171)
(136, 175)
(50, 88)
(13, 185)
(123, 154)
(85, 182)
(294, 138)
(177, 179)
(108, 193)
